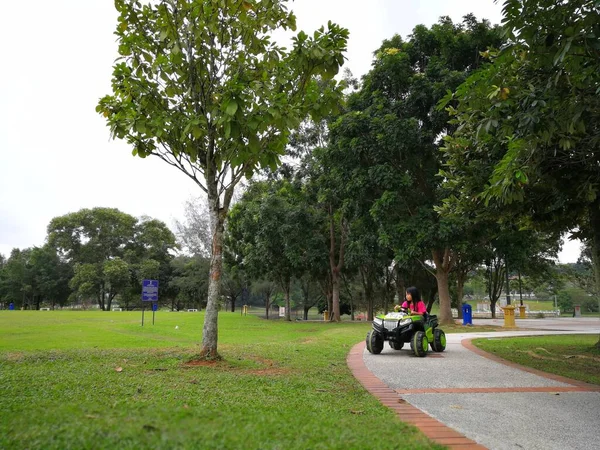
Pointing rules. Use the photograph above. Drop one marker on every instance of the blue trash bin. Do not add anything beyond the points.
(467, 311)
(11, 306)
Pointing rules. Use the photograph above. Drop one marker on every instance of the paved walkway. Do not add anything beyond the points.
(466, 398)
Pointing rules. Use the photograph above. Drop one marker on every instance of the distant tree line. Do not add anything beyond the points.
(99, 256)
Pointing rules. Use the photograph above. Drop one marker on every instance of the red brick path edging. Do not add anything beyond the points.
(430, 427)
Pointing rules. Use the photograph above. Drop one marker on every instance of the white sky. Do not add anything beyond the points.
(55, 152)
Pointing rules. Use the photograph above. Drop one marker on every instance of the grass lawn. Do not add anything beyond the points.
(99, 380)
(573, 356)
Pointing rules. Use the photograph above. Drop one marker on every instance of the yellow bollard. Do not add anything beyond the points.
(509, 316)
(522, 312)
(325, 316)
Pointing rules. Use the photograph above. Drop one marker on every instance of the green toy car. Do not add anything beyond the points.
(400, 327)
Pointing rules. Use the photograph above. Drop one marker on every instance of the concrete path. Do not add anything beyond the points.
(466, 398)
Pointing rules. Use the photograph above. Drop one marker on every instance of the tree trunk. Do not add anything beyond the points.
(101, 299)
(594, 218)
(444, 295)
(496, 274)
(460, 288)
(328, 293)
(111, 297)
(400, 284)
(267, 304)
(351, 298)
(336, 268)
(430, 303)
(286, 290)
(489, 289)
(368, 285)
(443, 265)
(210, 329)
(305, 284)
(325, 284)
(335, 295)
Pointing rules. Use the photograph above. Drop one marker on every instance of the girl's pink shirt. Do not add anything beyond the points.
(421, 308)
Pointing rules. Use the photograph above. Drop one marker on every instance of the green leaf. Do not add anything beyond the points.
(124, 50)
(197, 132)
(140, 126)
(231, 108)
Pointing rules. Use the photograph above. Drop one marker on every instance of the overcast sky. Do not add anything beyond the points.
(55, 152)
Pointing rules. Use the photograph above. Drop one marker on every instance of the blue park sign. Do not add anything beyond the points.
(150, 290)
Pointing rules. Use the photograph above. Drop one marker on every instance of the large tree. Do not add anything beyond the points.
(275, 233)
(106, 247)
(34, 276)
(16, 279)
(386, 147)
(51, 276)
(201, 85)
(528, 146)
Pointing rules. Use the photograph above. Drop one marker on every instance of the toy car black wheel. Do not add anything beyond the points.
(396, 345)
(439, 341)
(374, 342)
(419, 344)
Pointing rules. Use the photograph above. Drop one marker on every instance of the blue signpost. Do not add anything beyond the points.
(149, 294)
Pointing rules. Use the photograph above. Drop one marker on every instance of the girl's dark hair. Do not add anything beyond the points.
(414, 292)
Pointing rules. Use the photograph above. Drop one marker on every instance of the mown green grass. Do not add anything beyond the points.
(572, 356)
(99, 380)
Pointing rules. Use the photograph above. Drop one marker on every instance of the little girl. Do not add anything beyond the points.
(413, 303)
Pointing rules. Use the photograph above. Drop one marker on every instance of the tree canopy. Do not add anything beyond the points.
(527, 149)
(385, 149)
(201, 85)
(111, 251)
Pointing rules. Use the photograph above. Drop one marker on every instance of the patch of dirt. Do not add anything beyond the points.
(202, 363)
(536, 356)
(269, 366)
(14, 356)
(264, 361)
(533, 354)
